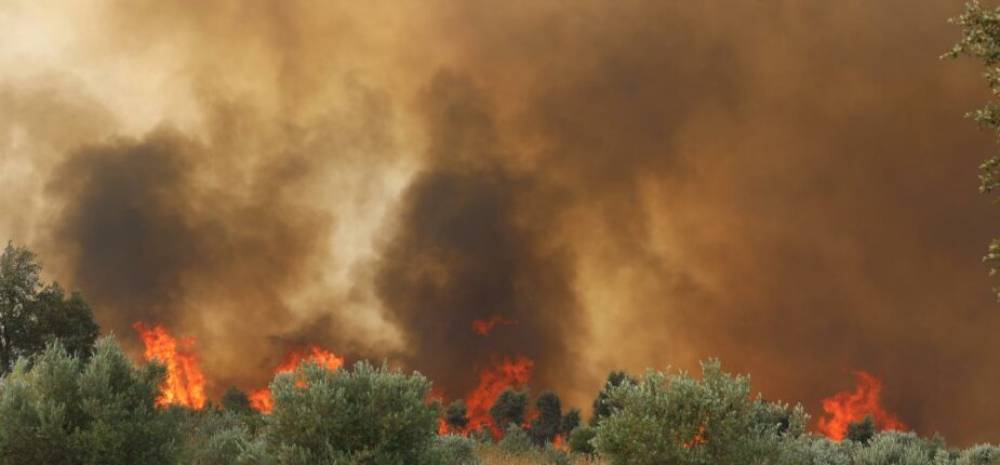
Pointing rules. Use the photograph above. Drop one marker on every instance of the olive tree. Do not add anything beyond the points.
(366, 414)
(674, 418)
(981, 40)
(60, 410)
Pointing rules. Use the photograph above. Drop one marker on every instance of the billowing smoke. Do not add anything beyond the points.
(147, 239)
(471, 243)
(788, 186)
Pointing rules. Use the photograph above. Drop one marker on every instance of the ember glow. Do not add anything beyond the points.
(485, 327)
(509, 373)
(847, 407)
(261, 400)
(185, 383)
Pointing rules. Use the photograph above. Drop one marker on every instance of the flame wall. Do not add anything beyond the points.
(786, 185)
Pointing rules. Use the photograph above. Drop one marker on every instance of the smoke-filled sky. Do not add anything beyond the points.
(786, 185)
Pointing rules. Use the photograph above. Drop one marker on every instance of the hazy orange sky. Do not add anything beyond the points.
(786, 185)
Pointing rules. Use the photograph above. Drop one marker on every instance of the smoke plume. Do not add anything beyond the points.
(788, 186)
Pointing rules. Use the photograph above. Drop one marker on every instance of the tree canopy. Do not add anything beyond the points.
(33, 314)
(981, 41)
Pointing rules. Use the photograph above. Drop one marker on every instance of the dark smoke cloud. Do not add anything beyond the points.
(469, 245)
(148, 243)
(786, 185)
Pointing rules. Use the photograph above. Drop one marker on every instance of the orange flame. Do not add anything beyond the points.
(847, 407)
(698, 439)
(485, 327)
(185, 384)
(492, 381)
(442, 427)
(261, 399)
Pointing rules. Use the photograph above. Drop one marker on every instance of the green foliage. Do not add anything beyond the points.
(456, 415)
(362, 415)
(548, 423)
(515, 440)
(679, 420)
(861, 431)
(603, 406)
(454, 450)
(898, 448)
(482, 434)
(33, 315)
(509, 408)
(581, 440)
(62, 411)
(983, 454)
(813, 450)
(216, 438)
(570, 421)
(67, 320)
(981, 40)
(553, 456)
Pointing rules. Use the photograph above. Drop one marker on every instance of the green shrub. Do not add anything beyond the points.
(897, 448)
(216, 438)
(65, 412)
(679, 420)
(454, 450)
(509, 408)
(456, 415)
(553, 456)
(570, 421)
(515, 440)
(861, 431)
(603, 406)
(983, 454)
(813, 450)
(580, 440)
(548, 423)
(363, 415)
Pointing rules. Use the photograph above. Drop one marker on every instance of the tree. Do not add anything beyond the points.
(570, 421)
(61, 410)
(673, 418)
(602, 405)
(362, 415)
(33, 315)
(547, 425)
(581, 440)
(456, 415)
(509, 408)
(861, 431)
(19, 285)
(981, 40)
(214, 437)
(68, 320)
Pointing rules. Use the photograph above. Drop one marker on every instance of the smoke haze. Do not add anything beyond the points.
(788, 186)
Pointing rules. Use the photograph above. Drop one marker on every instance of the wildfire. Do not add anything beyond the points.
(185, 384)
(485, 327)
(846, 407)
(698, 439)
(261, 400)
(492, 381)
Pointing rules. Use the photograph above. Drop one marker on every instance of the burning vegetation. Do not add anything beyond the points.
(847, 407)
(503, 382)
(260, 399)
(485, 327)
(184, 384)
